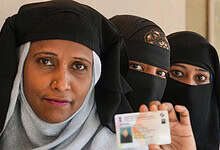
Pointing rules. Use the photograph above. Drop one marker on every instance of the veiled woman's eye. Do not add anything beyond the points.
(177, 73)
(136, 67)
(201, 78)
(161, 73)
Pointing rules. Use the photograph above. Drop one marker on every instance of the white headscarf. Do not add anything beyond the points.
(82, 131)
(75, 132)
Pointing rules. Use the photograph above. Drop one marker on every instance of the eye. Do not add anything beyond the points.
(46, 61)
(136, 67)
(201, 78)
(177, 73)
(79, 66)
(161, 73)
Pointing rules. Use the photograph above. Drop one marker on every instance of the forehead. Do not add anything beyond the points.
(125, 130)
(60, 47)
(146, 65)
(189, 67)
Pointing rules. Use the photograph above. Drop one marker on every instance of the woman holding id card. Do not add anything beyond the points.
(61, 83)
(194, 83)
(148, 54)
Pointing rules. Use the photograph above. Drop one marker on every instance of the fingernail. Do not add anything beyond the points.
(155, 106)
(143, 108)
(179, 106)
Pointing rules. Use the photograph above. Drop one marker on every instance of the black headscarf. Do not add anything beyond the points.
(67, 20)
(146, 43)
(202, 101)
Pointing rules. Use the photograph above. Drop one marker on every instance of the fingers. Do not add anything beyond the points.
(153, 108)
(157, 103)
(143, 108)
(154, 105)
(184, 114)
(154, 147)
(171, 111)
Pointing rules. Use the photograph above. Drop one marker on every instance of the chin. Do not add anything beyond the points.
(54, 117)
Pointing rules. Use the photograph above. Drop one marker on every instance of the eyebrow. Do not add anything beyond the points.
(54, 54)
(203, 70)
(82, 59)
(45, 53)
(179, 66)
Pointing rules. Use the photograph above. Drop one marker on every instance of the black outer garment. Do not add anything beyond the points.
(126, 139)
(66, 20)
(134, 30)
(202, 101)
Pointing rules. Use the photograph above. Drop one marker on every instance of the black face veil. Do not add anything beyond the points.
(66, 20)
(202, 101)
(145, 43)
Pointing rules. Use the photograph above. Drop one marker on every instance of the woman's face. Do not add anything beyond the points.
(189, 74)
(146, 68)
(125, 132)
(57, 78)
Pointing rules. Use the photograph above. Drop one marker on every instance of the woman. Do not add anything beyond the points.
(62, 87)
(148, 53)
(52, 100)
(194, 83)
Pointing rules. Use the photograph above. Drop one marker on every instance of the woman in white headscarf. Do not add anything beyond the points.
(61, 83)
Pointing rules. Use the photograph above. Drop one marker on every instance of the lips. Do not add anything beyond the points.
(57, 102)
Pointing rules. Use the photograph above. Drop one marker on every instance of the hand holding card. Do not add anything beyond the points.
(143, 129)
(181, 131)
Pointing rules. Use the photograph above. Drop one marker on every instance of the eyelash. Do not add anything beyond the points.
(174, 73)
(198, 77)
(42, 60)
(158, 72)
(134, 66)
(162, 74)
(76, 63)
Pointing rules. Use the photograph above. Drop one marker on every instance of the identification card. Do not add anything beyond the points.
(140, 129)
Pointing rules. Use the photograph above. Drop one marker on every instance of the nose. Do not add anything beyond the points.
(61, 80)
(190, 80)
(151, 70)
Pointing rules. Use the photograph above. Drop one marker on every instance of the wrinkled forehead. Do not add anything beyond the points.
(187, 66)
(24, 50)
(61, 49)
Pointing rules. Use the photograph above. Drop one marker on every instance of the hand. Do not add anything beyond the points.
(181, 132)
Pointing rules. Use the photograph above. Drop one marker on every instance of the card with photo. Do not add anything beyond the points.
(140, 129)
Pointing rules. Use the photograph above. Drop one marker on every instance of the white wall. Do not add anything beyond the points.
(196, 16)
(169, 14)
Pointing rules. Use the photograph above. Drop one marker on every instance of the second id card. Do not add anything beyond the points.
(140, 129)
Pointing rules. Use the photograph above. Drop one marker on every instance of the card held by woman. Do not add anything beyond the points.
(140, 129)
